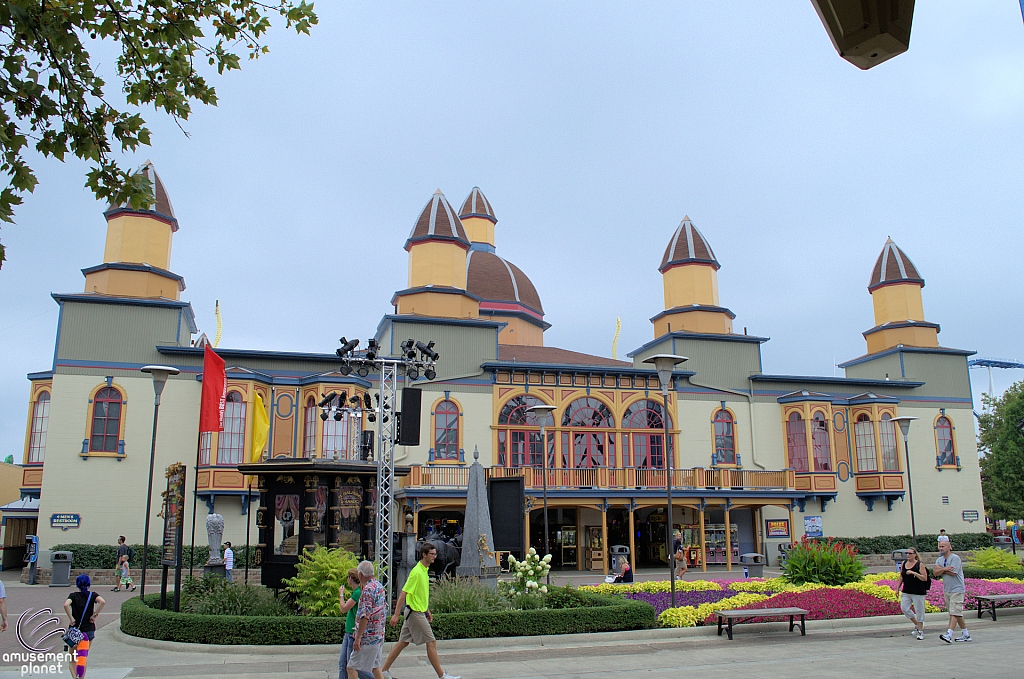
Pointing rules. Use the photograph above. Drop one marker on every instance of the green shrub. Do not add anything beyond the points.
(105, 556)
(828, 563)
(143, 620)
(991, 573)
(995, 558)
(886, 544)
(465, 595)
(214, 595)
(320, 573)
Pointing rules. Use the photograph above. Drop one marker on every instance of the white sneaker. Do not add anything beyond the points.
(920, 635)
(387, 674)
(946, 637)
(449, 676)
(963, 637)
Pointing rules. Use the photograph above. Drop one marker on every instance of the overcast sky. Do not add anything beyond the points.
(592, 127)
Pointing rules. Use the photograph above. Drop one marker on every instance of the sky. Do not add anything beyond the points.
(593, 128)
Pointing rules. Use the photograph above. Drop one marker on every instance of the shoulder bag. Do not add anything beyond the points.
(74, 635)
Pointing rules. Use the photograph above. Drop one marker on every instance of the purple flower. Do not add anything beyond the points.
(663, 600)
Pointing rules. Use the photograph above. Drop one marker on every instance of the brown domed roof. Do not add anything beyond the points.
(688, 245)
(493, 279)
(893, 266)
(477, 205)
(438, 221)
(161, 201)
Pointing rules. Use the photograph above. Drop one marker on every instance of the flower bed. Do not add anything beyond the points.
(662, 601)
(827, 603)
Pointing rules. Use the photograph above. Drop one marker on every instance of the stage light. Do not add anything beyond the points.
(324, 416)
(371, 417)
(386, 418)
(346, 346)
(362, 371)
(371, 349)
(412, 373)
(345, 369)
(367, 401)
(341, 399)
(338, 414)
(326, 400)
(407, 349)
(429, 373)
(355, 400)
(428, 350)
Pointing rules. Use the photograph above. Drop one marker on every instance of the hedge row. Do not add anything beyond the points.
(105, 556)
(886, 544)
(991, 573)
(143, 620)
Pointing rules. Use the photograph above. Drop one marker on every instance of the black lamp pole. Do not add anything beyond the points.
(159, 373)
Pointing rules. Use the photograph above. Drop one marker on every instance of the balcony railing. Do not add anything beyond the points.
(457, 476)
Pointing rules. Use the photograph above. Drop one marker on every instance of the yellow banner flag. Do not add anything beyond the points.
(260, 429)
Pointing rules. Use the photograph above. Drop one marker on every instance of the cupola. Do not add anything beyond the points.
(899, 310)
(689, 274)
(137, 255)
(478, 218)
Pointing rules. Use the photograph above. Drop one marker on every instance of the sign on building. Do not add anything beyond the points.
(813, 527)
(970, 515)
(777, 528)
(174, 509)
(65, 521)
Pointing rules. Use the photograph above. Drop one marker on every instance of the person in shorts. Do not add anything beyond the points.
(368, 639)
(952, 571)
(415, 601)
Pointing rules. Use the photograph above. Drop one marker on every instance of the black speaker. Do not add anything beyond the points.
(409, 434)
(366, 445)
(506, 499)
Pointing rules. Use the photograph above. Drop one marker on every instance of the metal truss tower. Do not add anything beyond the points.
(387, 427)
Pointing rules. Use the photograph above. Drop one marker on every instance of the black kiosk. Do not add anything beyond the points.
(309, 502)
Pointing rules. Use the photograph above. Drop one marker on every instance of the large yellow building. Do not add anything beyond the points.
(758, 458)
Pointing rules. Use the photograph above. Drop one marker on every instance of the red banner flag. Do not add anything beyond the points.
(215, 391)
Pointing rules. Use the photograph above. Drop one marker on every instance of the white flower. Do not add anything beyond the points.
(544, 589)
(533, 552)
(531, 584)
(547, 558)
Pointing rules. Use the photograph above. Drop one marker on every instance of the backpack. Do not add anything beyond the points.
(131, 555)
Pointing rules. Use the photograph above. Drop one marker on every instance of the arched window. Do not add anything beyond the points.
(446, 431)
(944, 436)
(864, 433)
(106, 421)
(309, 428)
(589, 448)
(232, 439)
(521, 447)
(648, 447)
(40, 420)
(725, 438)
(796, 442)
(890, 452)
(821, 449)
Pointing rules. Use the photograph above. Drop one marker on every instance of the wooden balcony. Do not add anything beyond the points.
(457, 477)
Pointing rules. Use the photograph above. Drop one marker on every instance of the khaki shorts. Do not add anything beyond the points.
(955, 603)
(367, 658)
(416, 630)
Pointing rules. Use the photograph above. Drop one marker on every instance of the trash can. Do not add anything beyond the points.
(60, 563)
(898, 557)
(1002, 542)
(619, 553)
(753, 565)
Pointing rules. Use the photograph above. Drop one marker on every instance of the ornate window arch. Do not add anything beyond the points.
(309, 417)
(890, 449)
(647, 447)
(796, 441)
(105, 431)
(37, 432)
(945, 442)
(518, 437)
(864, 435)
(515, 411)
(590, 448)
(446, 431)
(231, 442)
(820, 444)
(724, 429)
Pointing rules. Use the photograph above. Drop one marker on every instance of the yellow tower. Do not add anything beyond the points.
(437, 250)
(137, 255)
(503, 291)
(899, 311)
(689, 274)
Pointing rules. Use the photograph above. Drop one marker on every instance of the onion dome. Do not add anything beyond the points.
(688, 246)
(161, 205)
(893, 266)
(438, 221)
(500, 285)
(477, 205)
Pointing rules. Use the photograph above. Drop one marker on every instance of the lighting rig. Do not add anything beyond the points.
(415, 358)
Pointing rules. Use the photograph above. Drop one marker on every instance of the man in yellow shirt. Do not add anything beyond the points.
(414, 601)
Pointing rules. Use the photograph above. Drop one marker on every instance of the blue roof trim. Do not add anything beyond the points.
(543, 325)
(677, 334)
(680, 492)
(44, 375)
(95, 298)
(475, 214)
(852, 381)
(146, 268)
(910, 350)
(436, 320)
(901, 324)
(113, 212)
(427, 237)
(694, 307)
(477, 246)
(578, 367)
(251, 353)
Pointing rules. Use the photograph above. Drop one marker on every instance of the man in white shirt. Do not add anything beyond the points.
(229, 561)
(950, 569)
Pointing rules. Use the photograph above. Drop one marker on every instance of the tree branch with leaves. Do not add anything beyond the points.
(52, 98)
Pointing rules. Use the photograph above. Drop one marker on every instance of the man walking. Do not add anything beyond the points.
(229, 561)
(368, 639)
(949, 567)
(415, 601)
(122, 571)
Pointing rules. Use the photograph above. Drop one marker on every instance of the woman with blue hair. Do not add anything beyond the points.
(82, 608)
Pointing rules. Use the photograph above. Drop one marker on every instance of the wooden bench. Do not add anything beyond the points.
(994, 601)
(743, 616)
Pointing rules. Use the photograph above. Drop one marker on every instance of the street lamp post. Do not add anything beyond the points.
(665, 364)
(541, 412)
(159, 373)
(904, 423)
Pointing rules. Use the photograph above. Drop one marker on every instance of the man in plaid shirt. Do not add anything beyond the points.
(368, 645)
